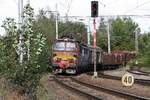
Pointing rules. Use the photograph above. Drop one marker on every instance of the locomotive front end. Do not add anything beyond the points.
(65, 56)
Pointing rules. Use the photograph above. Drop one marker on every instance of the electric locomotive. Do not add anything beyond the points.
(71, 57)
(65, 56)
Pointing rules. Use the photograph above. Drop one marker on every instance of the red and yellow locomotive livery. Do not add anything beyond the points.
(65, 54)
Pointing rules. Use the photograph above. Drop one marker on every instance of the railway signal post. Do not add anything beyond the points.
(94, 45)
(94, 14)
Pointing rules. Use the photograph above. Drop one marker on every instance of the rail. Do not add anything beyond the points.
(138, 72)
(137, 81)
(76, 90)
(112, 91)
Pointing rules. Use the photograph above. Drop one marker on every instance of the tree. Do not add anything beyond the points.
(9, 25)
(26, 76)
(123, 34)
(144, 46)
(8, 47)
(144, 43)
(27, 28)
(46, 26)
(102, 35)
(76, 29)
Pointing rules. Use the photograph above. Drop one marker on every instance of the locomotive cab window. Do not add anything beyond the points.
(60, 46)
(64, 46)
(70, 46)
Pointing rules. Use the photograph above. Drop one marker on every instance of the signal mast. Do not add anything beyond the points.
(94, 14)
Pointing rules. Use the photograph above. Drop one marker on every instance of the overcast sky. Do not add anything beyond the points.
(8, 8)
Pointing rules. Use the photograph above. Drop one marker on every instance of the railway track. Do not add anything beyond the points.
(112, 91)
(66, 82)
(93, 92)
(138, 72)
(137, 81)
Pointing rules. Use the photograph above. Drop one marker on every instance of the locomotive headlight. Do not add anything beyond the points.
(71, 60)
(58, 59)
(75, 56)
(54, 55)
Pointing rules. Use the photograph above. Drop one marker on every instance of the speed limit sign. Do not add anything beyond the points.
(127, 79)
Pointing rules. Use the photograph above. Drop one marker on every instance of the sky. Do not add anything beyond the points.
(9, 8)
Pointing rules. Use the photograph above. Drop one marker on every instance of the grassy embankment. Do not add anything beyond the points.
(143, 62)
(9, 92)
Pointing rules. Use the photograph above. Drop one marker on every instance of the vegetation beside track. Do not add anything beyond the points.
(39, 33)
(25, 77)
(8, 92)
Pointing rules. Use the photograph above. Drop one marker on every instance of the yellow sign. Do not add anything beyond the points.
(127, 79)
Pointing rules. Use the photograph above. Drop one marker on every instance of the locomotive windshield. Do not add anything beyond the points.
(65, 46)
(60, 46)
(70, 46)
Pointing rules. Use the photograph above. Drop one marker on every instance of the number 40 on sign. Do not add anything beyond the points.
(127, 79)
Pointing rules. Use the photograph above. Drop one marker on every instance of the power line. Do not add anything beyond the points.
(137, 6)
(110, 16)
(28, 1)
(64, 7)
(112, 3)
(69, 6)
(137, 3)
(102, 3)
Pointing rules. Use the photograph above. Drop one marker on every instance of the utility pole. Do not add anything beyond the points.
(29, 37)
(88, 31)
(56, 19)
(108, 37)
(136, 43)
(20, 20)
(56, 23)
(136, 40)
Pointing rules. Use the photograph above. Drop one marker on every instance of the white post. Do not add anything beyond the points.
(136, 43)
(88, 31)
(29, 36)
(136, 40)
(20, 20)
(56, 22)
(108, 37)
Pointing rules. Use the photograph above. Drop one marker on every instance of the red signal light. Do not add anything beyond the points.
(94, 8)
